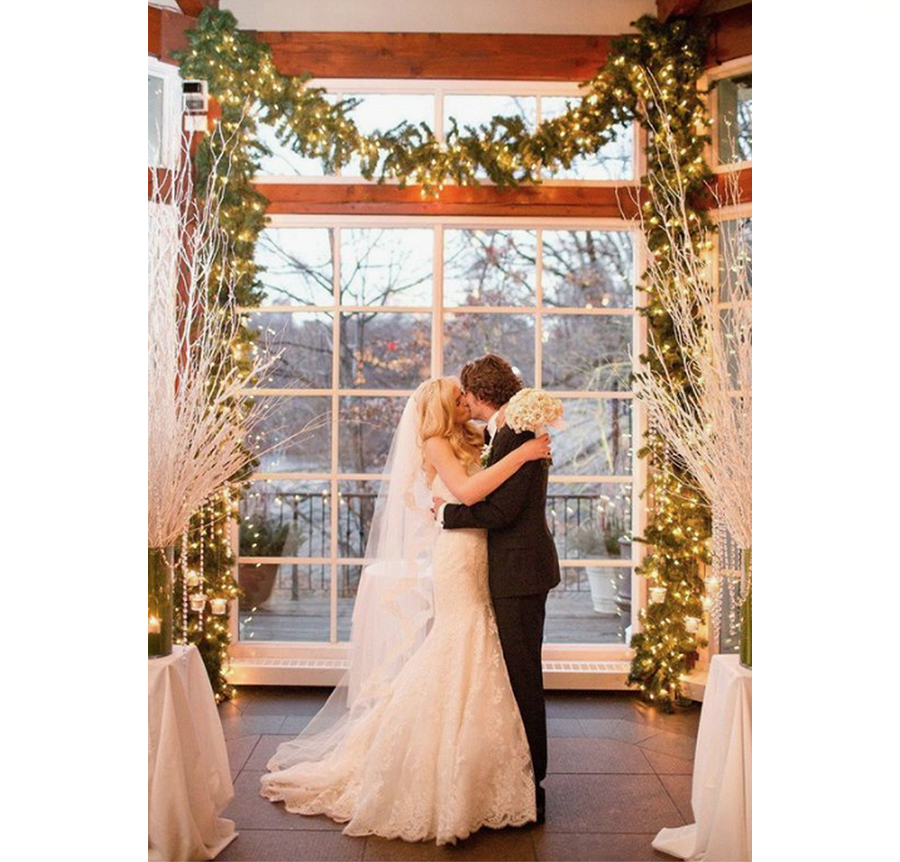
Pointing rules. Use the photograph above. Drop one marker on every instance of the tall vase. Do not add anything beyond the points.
(746, 653)
(160, 618)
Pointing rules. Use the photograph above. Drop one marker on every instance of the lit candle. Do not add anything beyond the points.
(153, 625)
(198, 602)
(657, 595)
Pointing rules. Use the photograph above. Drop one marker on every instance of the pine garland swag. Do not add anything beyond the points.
(240, 73)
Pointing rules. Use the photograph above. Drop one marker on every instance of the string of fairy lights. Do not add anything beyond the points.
(249, 89)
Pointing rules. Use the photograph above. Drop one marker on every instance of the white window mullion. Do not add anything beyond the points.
(335, 430)
(437, 305)
(539, 302)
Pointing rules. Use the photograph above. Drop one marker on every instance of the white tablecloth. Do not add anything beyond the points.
(721, 787)
(189, 776)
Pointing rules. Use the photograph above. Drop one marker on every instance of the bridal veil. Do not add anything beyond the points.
(394, 605)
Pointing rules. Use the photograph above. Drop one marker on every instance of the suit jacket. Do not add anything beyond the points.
(522, 556)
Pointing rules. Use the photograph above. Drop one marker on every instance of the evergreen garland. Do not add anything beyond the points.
(248, 88)
(208, 552)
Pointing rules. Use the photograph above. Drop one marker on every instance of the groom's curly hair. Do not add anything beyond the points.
(490, 378)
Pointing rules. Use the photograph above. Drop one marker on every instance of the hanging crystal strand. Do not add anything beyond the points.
(714, 582)
(202, 566)
(185, 596)
(733, 587)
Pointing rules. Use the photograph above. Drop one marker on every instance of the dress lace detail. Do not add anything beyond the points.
(444, 752)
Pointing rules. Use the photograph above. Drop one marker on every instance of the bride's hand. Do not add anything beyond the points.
(534, 450)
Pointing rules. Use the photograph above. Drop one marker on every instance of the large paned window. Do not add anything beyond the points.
(362, 310)
(385, 104)
(361, 313)
(163, 113)
(732, 111)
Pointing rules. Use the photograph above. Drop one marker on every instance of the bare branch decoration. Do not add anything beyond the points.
(705, 418)
(200, 418)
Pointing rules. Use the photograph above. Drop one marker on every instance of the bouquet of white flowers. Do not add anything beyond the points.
(534, 410)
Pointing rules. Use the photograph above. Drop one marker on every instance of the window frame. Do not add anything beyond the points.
(170, 134)
(729, 69)
(335, 650)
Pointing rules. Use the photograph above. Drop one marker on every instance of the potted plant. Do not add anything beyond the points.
(259, 537)
(588, 541)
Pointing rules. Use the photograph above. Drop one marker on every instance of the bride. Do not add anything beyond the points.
(422, 739)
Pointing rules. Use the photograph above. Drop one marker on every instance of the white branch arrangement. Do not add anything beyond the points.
(199, 416)
(707, 424)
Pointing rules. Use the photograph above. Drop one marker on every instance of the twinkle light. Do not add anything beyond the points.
(239, 69)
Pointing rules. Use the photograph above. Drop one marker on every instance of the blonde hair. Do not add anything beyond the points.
(437, 405)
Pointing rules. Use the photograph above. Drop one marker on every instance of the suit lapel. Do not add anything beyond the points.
(496, 445)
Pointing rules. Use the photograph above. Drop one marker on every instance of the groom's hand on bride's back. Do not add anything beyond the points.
(436, 503)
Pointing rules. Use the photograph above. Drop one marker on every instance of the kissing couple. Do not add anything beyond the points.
(439, 725)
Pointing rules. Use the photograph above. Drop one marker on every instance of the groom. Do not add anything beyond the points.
(522, 561)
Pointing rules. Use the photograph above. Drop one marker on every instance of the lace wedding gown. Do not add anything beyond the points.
(444, 752)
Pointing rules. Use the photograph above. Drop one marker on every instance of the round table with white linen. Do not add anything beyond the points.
(721, 788)
(188, 773)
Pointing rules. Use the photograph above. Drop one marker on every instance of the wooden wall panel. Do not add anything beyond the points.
(731, 36)
(165, 31)
(666, 9)
(195, 7)
(744, 189)
(493, 56)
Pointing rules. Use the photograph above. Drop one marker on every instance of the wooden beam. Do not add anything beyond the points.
(744, 187)
(666, 9)
(731, 35)
(491, 56)
(154, 31)
(166, 33)
(540, 200)
(193, 8)
(373, 199)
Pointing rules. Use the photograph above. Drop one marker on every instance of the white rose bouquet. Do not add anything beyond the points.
(534, 410)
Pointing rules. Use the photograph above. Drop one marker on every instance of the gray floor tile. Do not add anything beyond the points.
(264, 750)
(608, 803)
(228, 709)
(281, 701)
(233, 726)
(293, 724)
(595, 755)
(505, 845)
(249, 810)
(665, 764)
(564, 727)
(617, 728)
(679, 789)
(673, 744)
(563, 847)
(593, 705)
(261, 723)
(282, 707)
(685, 720)
(239, 750)
(292, 846)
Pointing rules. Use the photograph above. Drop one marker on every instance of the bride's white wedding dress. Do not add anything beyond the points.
(444, 752)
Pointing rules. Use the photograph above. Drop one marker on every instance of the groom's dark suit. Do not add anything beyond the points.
(522, 568)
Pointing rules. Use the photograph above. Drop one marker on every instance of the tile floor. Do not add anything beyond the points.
(619, 772)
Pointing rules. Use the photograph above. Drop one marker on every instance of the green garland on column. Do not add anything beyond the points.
(208, 555)
(248, 88)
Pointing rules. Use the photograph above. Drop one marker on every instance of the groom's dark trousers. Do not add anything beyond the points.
(522, 568)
